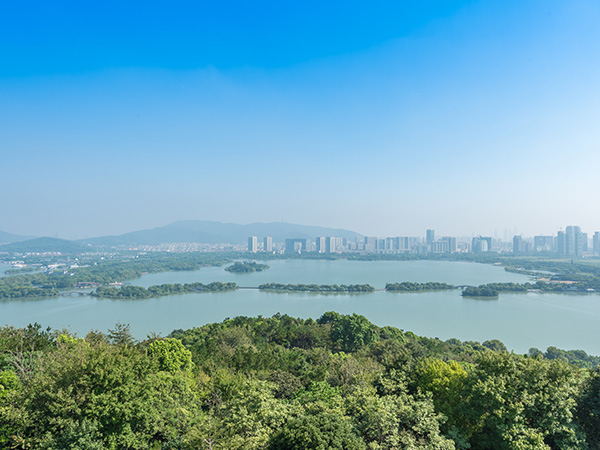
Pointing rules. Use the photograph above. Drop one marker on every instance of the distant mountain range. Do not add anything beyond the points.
(204, 232)
(208, 232)
(44, 245)
(7, 238)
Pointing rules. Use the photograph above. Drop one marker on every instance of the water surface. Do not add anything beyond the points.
(521, 321)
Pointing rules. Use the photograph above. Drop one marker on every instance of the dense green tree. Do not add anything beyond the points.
(397, 421)
(247, 420)
(170, 355)
(352, 332)
(121, 334)
(495, 345)
(446, 382)
(20, 348)
(287, 384)
(76, 435)
(588, 409)
(106, 390)
(514, 402)
(284, 382)
(10, 385)
(320, 430)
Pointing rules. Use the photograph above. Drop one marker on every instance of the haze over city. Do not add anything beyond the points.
(385, 118)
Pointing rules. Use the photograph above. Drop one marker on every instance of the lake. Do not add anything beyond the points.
(4, 268)
(521, 321)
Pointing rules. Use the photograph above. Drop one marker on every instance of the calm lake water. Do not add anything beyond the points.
(4, 268)
(520, 321)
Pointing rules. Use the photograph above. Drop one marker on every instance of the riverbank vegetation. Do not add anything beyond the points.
(323, 288)
(139, 293)
(20, 270)
(48, 283)
(246, 267)
(59, 273)
(493, 289)
(407, 286)
(339, 382)
(479, 291)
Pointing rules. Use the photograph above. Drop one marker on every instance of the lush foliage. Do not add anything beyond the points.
(285, 383)
(246, 267)
(493, 289)
(481, 291)
(139, 293)
(577, 357)
(323, 288)
(102, 272)
(408, 286)
(560, 275)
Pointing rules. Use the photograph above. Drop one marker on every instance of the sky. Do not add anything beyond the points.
(383, 117)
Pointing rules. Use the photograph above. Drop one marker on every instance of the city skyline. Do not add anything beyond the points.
(572, 242)
(427, 235)
(466, 117)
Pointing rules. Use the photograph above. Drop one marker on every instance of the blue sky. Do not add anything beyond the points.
(382, 117)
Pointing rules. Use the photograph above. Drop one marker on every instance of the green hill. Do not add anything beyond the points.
(7, 238)
(207, 232)
(338, 382)
(44, 245)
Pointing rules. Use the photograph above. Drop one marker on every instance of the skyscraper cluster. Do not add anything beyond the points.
(571, 242)
(266, 247)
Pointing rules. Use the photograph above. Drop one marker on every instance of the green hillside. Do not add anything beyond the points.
(209, 232)
(44, 245)
(339, 382)
(7, 238)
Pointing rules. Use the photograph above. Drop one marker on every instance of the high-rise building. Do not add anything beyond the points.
(295, 245)
(430, 237)
(517, 244)
(450, 244)
(596, 243)
(268, 244)
(321, 248)
(370, 243)
(520, 245)
(561, 243)
(543, 243)
(439, 247)
(574, 241)
(252, 244)
(481, 244)
(330, 244)
(407, 243)
(389, 244)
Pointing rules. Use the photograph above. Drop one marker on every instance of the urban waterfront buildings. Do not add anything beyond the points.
(543, 243)
(252, 244)
(295, 245)
(268, 244)
(481, 244)
(572, 242)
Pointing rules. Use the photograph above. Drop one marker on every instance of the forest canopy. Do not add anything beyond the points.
(289, 383)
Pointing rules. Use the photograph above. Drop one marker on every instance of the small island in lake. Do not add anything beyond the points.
(327, 288)
(480, 291)
(246, 267)
(163, 290)
(493, 289)
(408, 286)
